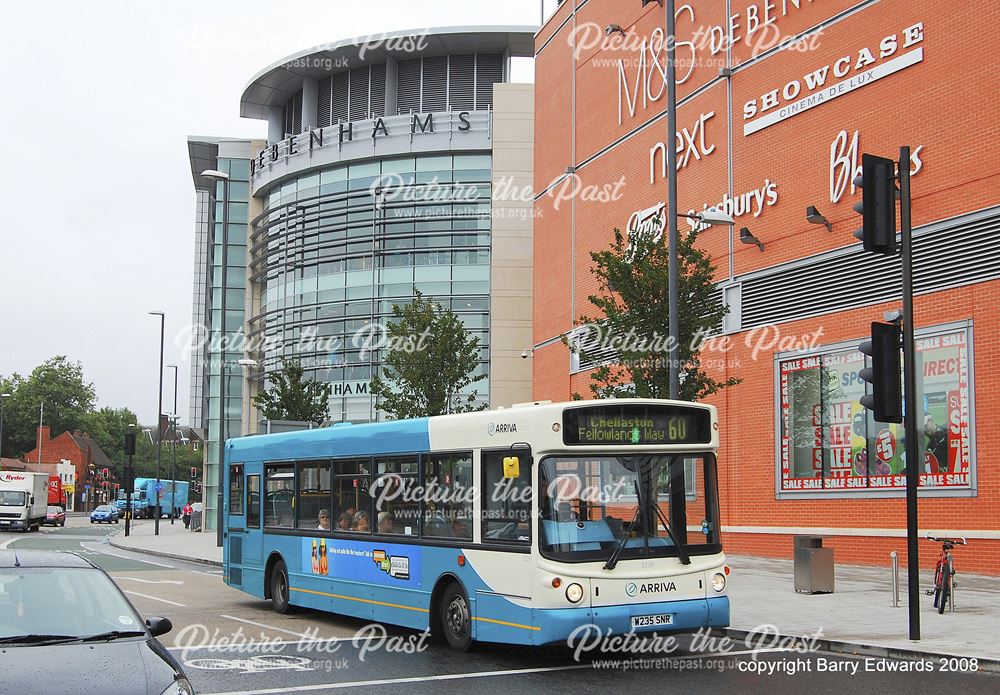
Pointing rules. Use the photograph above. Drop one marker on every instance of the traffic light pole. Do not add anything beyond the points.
(914, 443)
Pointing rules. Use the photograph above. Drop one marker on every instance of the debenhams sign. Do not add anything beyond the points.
(347, 131)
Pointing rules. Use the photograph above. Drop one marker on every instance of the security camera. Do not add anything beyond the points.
(614, 28)
(526, 353)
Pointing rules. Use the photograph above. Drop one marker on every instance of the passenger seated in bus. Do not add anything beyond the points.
(324, 520)
(362, 523)
(345, 521)
(385, 522)
(460, 528)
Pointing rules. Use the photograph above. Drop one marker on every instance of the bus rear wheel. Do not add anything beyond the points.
(279, 588)
(456, 618)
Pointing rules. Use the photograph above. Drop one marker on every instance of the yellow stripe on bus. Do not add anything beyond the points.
(361, 600)
(504, 622)
(409, 608)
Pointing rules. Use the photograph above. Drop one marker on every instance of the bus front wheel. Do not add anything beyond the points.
(456, 618)
(279, 588)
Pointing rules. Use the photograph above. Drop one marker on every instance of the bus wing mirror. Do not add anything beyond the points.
(511, 467)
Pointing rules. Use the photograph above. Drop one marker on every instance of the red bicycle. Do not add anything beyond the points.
(944, 573)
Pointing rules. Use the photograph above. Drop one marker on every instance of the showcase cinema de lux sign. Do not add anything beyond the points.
(852, 70)
(349, 131)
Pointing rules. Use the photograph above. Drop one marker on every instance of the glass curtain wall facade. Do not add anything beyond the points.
(230, 211)
(335, 248)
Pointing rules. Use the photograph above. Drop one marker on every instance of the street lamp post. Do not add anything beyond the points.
(173, 450)
(3, 397)
(673, 324)
(222, 176)
(159, 432)
(129, 475)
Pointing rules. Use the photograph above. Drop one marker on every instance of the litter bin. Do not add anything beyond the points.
(196, 521)
(813, 565)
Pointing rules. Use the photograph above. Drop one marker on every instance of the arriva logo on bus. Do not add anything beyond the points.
(502, 428)
(633, 589)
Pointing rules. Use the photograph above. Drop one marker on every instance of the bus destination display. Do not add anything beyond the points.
(636, 425)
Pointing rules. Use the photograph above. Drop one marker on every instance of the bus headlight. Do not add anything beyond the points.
(574, 592)
(718, 581)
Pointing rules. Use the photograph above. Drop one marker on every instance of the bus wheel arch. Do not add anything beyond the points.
(446, 588)
(272, 560)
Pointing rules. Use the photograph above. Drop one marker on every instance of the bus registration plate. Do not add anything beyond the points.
(652, 620)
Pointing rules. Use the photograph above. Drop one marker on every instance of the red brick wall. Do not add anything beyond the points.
(59, 448)
(936, 104)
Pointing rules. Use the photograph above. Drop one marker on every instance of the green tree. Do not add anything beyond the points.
(430, 362)
(108, 426)
(59, 384)
(633, 278)
(292, 397)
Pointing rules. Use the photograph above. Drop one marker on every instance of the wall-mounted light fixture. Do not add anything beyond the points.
(815, 217)
(747, 237)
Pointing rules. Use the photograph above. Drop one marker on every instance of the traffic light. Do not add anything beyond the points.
(105, 473)
(194, 472)
(886, 397)
(878, 204)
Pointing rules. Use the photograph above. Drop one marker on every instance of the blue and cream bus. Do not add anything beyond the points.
(514, 525)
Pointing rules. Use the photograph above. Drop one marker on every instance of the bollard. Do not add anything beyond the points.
(895, 579)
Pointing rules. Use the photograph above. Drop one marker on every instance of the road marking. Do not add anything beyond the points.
(268, 627)
(216, 574)
(458, 676)
(256, 664)
(124, 557)
(223, 646)
(7, 542)
(412, 679)
(178, 582)
(155, 598)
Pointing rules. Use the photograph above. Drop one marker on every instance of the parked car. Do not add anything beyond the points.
(55, 516)
(66, 628)
(106, 513)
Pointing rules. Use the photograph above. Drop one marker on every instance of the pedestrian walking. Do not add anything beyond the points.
(187, 514)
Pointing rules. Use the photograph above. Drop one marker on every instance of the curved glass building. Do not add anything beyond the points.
(377, 182)
(393, 165)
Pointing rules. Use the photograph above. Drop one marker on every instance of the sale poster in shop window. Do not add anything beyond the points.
(829, 442)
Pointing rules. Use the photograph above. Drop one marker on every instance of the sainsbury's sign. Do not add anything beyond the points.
(851, 71)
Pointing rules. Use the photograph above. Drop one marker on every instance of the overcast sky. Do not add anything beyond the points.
(99, 98)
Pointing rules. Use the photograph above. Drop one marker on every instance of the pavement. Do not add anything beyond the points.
(857, 618)
(174, 541)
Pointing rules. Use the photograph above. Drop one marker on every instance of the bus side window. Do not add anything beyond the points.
(236, 490)
(506, 501)
(253, 501)
(279, 495)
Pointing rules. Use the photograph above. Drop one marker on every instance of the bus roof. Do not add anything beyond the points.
(406, 436)
(396, 436)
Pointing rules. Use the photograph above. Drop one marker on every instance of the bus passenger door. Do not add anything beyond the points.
(234, 531)
(503, 607)
(253, 538)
